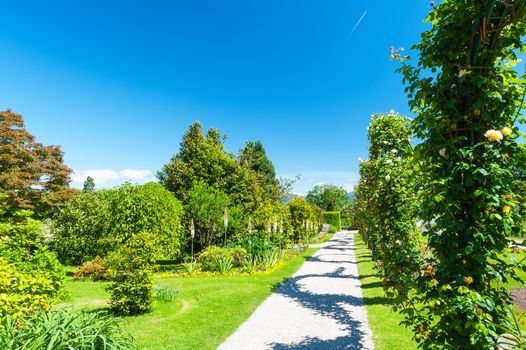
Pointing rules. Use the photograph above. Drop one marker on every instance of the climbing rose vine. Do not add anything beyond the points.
(468, 98)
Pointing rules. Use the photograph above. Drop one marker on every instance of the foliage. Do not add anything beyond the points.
(30, 275)
(89, 185)
(149, 208)
(203, 160)
(271, 258)
(332, 218)
(254, 157)
(301, 215)
(63, 329)
(81, 230)
(253, 245)
(206, 207)
(96, 269)
(467, 97)
(210, 257)
(332, 229)
(329, 197)
(22, 293)
(33, 176)
(95, 224)
(225, 264)
(131, 290)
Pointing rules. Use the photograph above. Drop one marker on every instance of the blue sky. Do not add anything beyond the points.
(116, 83)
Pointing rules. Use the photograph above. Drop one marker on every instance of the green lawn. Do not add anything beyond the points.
(384, 322)
(207, 310)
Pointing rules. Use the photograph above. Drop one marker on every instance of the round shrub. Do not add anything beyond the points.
(209, 257)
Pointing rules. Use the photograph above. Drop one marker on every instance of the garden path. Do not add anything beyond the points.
(320, 307)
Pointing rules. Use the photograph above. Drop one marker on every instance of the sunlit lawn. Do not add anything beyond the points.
(206, 311)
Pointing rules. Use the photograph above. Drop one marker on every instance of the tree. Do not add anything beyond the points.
(202, 160)
(89, 185)
(206, 207)
(467, 96)
(254, 157)
(32, 176)
(329, 197)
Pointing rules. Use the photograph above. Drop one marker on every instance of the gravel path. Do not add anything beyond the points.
(320, 307)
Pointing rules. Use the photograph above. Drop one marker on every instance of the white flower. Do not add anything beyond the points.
(394, 151)
(389, 161)
(387, 177)
(494, 135)
(385, 142)
(398, 241)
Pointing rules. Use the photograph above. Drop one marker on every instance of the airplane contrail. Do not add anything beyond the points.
(356, 25)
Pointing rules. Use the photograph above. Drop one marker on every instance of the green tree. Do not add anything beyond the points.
(89, 185)
(254, 157)
(33, 176)
(329, 197)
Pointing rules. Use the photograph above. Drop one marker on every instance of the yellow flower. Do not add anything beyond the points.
(506, 131)
(494, 135)
(506, 209)
(442, 152)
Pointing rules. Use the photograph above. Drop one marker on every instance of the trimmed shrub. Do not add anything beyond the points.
(63, 329)
(96, 269)
(131, 268)
(331, 218)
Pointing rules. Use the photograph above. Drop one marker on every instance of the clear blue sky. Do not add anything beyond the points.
(116, 83)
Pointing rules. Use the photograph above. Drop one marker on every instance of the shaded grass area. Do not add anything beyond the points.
(206, 311)
(384, 322)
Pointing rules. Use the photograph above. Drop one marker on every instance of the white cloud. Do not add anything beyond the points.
(110, 178)
(309, 179)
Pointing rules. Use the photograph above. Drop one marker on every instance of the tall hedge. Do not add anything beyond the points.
(332, 218)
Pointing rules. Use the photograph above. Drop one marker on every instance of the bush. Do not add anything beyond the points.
(209, 257)
(239, 256)
(131, 268)
(63, 329)
(22, 293)
(30, 275)
(331, 218)
(96, 269)
(332, 229)
(81, 229)
(94, 224)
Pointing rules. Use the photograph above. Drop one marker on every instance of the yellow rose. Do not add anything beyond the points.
(506, 131)
(506, 209)
(494, 135)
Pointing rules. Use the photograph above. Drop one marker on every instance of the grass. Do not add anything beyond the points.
(384, 322)
(206, 311)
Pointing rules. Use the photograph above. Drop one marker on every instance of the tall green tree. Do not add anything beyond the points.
(89, 185)
(329, 197)
(32, 176)
(254, 157)
(203, 160)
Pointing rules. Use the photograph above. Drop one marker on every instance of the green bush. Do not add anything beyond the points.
(253, 244)
(94, 224)
(30, 276)
(81, 230)
(63, 329)
(239, 256)
(331, 218)
(96, 269)
(131, 291)
(165, 293)
(209, 257)
(332, 229)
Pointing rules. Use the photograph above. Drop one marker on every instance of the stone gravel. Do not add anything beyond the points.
(320, 307)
